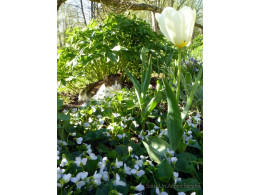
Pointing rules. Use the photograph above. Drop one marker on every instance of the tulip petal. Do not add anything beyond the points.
(162, 25)
(177, 26)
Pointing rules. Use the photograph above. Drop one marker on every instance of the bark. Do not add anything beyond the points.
(135, 7)
(82, 9)
(59, 3)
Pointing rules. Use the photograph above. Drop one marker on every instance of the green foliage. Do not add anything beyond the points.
(146, 104)
(98, 50)
(174, 121)
(156, 148)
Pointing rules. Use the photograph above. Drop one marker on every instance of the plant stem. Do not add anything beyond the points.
(178, 77)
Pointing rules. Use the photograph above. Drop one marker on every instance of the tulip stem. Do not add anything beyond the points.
(178, 77)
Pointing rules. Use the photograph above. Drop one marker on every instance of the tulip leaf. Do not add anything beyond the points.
(174, 121)
(190, 97)
(137, 87)
(156, 148)
(153, 103)
(164, 171)
(143, 58)
(147, 78)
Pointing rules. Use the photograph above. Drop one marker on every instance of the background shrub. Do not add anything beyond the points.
(107, 48)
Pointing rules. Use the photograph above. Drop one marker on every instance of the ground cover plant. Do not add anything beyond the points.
(146, 139)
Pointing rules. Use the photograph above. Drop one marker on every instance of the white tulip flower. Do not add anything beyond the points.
(177, 26)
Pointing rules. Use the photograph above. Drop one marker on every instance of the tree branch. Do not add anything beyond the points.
(135, 6)
(59, 3)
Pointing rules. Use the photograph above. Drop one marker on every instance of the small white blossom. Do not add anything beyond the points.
(93, 108)
(84, 104)
(79, 140)
(174, 159)
(105, 176)
(80, 184)
(122, 125)
(121, 136)
(117, 182)
(97, 178)
(181, 193)
(171, 152)
(127, 169)
(139, 188)
(176, 177)
(160, 193)
(118, 163)
(73, 134)
(74, 110)
(150, 162)
(67, 177)
(193, 193)
(130, 149)
(102, 164)
(139, 163)
(82, 175)
(86, 124)
(63, 162)
(99, 116)
(78, 161)
(155, 127)
(135, 124)
(124, 119)
(74, 179)
(116, 115)
(101, 121)
(93, 156)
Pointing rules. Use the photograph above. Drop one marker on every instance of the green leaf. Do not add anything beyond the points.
(63, 117)
(189, 184)
(147, 77)
(165, 171)
(156, 148)
(137, 87)
(59, 104)
(94, 135)
(185, 162)
(121, 150)
(190, 97)
(153, 103)
(188, 78)
(112, 154)
(174, 121)
(91, 166)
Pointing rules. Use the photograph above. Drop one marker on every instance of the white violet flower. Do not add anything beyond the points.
(117, 182)
(79, 140)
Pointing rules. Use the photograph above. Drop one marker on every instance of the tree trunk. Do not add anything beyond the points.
(155, 26)
(82, 9)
